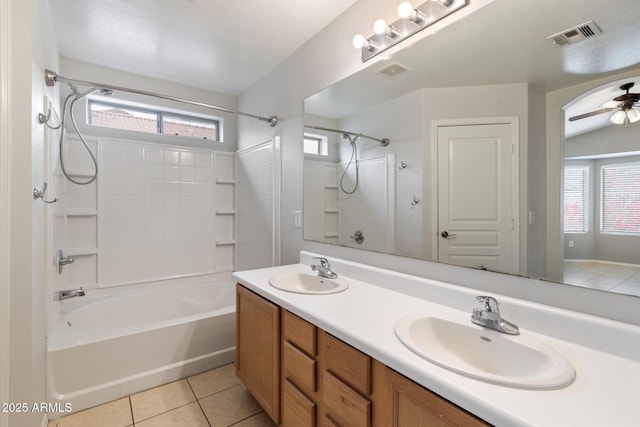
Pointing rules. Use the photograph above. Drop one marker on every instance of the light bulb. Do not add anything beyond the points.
(633, 115)
(619, 117)
(380, 26)
(359, 42)
(405, 10)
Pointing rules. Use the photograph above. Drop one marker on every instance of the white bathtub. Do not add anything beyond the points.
(103, 348)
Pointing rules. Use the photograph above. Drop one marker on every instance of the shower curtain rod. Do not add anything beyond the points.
(51, 77)
(384, 141)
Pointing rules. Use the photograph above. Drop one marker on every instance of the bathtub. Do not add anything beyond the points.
(106, 347)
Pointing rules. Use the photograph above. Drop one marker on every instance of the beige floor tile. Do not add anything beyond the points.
(229, 406)
(213, 381)
(161, 399)
(259, 420)
(185, 416)
(112, 414)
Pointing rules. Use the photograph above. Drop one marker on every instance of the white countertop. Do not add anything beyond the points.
(604, 353)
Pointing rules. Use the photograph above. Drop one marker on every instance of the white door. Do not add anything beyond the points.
(476, 194)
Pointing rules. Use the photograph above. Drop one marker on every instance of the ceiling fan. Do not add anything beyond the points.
(624, 104)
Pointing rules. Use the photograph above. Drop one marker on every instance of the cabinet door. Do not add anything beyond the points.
(400, 402)
(258, 349)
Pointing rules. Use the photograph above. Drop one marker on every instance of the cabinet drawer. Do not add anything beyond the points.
(298, 367)
(345, 405)
(326, 421)
(297, 409)
(300, 332)
(347, 363)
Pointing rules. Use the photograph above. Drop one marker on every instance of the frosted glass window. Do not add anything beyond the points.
(576, 199)
(620, 198)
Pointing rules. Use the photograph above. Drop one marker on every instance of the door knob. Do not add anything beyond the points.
(446, 234)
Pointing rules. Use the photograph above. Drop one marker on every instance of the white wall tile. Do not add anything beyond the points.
(164, 226)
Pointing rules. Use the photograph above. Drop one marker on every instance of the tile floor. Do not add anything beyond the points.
(215, 398)
(624, 279)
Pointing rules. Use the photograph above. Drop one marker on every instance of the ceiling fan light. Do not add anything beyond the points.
(633, 115)
(619, 117)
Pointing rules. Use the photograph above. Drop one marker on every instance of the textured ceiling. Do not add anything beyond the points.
(221, 45)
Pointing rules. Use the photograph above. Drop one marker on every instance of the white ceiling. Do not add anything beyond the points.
(220, 45)
(229, 45)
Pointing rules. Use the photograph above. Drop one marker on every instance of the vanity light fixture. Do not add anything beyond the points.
(412, 19)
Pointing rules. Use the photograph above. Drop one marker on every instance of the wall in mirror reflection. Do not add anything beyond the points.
(406, 121)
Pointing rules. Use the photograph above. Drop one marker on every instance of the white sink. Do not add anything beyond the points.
(303, 283)
(477, 352)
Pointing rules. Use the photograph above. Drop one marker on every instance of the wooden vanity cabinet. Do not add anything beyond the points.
(346, 383)
(299, 372)
(304, 377)
(400, 402)
(258, 349)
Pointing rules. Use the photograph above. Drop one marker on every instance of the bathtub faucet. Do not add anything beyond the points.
(70, 293)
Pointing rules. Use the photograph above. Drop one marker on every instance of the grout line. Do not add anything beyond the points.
(166, 412)
(133, 421)
(244, 419)
(198, 401)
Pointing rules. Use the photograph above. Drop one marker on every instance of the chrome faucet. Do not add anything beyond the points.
(324, 269)
(489, 316)
(70, 293)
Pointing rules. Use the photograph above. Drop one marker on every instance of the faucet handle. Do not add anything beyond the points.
(323, 261)
(491, 305)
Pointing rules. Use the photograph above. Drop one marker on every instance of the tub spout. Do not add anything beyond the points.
(70, 293)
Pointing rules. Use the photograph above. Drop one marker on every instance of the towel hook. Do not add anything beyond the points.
(403, 165)
(415, 201)
(38, 193)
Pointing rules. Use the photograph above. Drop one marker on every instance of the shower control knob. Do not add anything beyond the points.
(358, 237)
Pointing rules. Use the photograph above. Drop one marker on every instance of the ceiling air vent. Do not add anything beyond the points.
(394, 69)
(575, 34)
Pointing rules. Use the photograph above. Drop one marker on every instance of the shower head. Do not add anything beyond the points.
(351, 137)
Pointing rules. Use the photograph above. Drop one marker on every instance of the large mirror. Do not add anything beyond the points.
(464, 179)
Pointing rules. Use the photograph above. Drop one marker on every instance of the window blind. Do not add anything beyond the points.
(576, 199)
(620, 209)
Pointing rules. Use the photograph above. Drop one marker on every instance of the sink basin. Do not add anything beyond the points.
(303, 283)
(460, 346)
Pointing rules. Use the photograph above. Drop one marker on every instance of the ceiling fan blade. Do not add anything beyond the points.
(592, 113)
(610, 104)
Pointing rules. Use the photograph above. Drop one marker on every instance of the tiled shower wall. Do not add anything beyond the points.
(157, 212)
(258, 202)
(321, 215)
(371, 208)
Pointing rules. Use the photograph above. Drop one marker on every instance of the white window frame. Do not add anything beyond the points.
(603, 167)
(586, 196)
(158, 112)
(322, 144)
